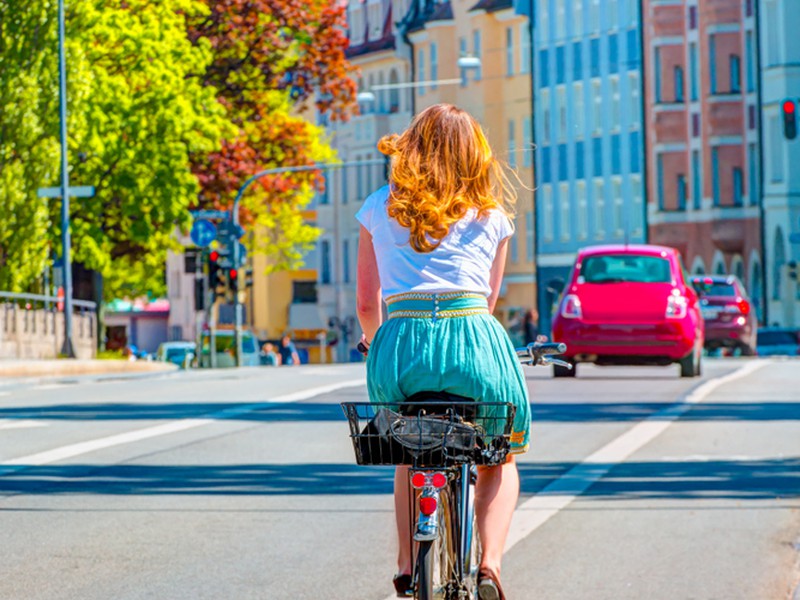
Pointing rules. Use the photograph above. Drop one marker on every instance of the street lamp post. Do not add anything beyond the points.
(67, 350)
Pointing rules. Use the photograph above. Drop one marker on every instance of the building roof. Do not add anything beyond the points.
(433, 11)
(493, 5)
(384, 42)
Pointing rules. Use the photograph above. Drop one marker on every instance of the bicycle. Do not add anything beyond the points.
(438, 436)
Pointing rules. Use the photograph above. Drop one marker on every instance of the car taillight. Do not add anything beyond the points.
(744, 306)
(571, 308)
(427, 505)
(676, 307)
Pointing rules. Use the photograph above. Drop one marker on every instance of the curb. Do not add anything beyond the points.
(10, 382)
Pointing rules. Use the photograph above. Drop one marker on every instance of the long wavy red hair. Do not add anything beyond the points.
(441, 167)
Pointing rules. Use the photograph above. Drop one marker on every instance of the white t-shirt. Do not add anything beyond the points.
(462, 261)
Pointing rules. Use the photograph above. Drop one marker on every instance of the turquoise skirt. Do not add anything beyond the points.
(447, 342)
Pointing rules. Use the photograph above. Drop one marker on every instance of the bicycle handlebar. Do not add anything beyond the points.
(541, 353)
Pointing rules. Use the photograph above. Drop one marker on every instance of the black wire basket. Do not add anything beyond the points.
(429, 434)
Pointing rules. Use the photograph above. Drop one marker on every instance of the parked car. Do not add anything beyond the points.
(178, 353)
(778, 341)
(728, 314)
(224, 341)
(629, 305)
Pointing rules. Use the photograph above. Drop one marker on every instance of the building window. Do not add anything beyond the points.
(546, 116)
(678, 83)
(697, 180)
(577, 18)
(773, 41)
(636, 100)
(579, 120)
(619, 208)
(738, 187)
(547, 213)
(637, 207)
(694, 74)
(693, 17)
(543, 21)
(527, 144)
(681, 187)
(750, 58)
(375, 19)
(564, 206)
(346, 261)
(561, 30)
(597, 113)
(421, 71)
(776, 144)
(513, 246)
(529, 232)
(434, 64)
(394, 93)
(752, 175)
(616, 114)
(735, 64)
(583, 210)
(462, 49)
(524, 48)
(712, 63)
(476, 50)
(594, 16)
(715, 175)
(660, 181)
(325, 260)
(357, 26)
(561, 108)
(599, 209)
(613, 14)
(509, 51)
(512, 144)
(657, 72)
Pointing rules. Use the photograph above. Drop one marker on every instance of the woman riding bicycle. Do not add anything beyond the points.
(433, 246)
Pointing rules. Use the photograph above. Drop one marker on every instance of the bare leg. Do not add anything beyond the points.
(496, 494)
(402, 497)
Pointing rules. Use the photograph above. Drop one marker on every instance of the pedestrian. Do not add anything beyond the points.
(530, 327)
(288, 352)
(434, 244)
(268, 355)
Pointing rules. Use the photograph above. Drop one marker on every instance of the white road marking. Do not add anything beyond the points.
(57, 454)
(537, 510)
(20, 424)
(49, 386)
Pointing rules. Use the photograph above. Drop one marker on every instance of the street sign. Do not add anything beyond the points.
(79, 191)
(209, 214)
(242, 254)
(794, 238)
(227, 230)
(203, 232)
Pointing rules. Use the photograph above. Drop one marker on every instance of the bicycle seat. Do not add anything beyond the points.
(439, 403)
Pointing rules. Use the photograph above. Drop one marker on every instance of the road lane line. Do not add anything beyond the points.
(537, 510)
(19, 424)
(72, 450)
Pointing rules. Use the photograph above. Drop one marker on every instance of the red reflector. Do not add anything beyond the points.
(418, 480)
(744, 306)
(427, 505)
(439, 480)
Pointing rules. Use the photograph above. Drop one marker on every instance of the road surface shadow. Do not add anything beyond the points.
(713, 479)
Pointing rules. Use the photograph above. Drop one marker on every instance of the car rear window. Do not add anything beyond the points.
(619, 268)
(717, 288)
(776, 338)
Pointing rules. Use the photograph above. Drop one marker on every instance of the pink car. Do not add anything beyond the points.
(629, 305)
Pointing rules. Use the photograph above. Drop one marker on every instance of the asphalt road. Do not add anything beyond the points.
(242, 485)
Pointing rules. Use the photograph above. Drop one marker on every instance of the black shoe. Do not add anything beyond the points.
(489, 587)
(403, 585)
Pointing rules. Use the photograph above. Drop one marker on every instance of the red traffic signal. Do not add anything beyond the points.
(789, 119)
(234, 273)
(213, 256)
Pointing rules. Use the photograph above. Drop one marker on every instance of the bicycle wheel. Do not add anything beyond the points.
(425, 554)
(436, 560)
(470, 542)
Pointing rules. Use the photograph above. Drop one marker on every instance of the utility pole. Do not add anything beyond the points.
(67, 349)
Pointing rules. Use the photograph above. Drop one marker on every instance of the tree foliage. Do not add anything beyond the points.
(270, 59)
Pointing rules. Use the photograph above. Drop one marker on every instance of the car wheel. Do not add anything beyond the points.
(559, 371)
(690, 365)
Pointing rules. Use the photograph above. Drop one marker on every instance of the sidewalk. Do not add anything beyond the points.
(11, 369)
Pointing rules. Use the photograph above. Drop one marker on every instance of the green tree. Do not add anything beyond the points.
(137, 112)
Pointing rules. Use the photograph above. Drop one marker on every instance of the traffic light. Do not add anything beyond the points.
(248, 277)
(789, 119)
(792, 265)
(214, 274)
(233, 280)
